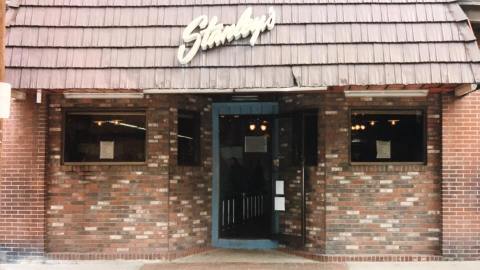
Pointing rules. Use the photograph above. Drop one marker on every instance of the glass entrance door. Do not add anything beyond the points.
(245, 176)
(248, 160)
(243, 138)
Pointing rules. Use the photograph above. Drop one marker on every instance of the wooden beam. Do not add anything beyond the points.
(2, 55)
(465, 89)
(473, 13)
(19, 95)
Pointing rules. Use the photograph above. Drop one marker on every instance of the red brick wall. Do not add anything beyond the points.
(22, 178)
(290, 222)
(109, 209)
(159, 206)
(380, 209)
(375, 209)
(190, 186)
(461, 176)
(140, 211)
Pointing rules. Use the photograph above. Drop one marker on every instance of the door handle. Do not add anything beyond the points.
(276, 162)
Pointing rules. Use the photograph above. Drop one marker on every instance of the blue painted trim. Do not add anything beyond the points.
(229, 108)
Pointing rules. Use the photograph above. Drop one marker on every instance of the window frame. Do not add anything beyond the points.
(102, 111)
(424, 110)
(198, 155)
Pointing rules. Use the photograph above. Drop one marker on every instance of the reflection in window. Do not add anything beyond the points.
(104, 137)
(387, 136)
(188, 138)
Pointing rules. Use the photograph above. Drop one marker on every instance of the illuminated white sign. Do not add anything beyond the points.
(210, 34)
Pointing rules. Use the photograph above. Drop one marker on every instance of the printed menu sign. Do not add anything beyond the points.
(107, 149)
(383, 149)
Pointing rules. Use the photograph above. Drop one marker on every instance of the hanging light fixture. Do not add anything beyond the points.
(264, 126)
(252, 127)
(393, 122)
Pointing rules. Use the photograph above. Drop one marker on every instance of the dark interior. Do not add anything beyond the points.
(85, 133)
(402, 132)
(245, 176)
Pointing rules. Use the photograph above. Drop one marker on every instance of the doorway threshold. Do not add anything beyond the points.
(245, 243)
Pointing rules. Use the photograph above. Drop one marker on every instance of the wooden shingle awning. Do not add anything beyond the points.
(132, 44)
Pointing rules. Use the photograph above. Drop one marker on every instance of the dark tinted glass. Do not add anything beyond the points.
(104, 137)
(298, 135)
(387, 136)
(310, 138)
(188, 138)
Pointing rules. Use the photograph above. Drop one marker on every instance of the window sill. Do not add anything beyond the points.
(104, 163)
(388, 163)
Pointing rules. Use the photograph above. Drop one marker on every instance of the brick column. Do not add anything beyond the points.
(2, 54)
(461, 176)
(22, 179)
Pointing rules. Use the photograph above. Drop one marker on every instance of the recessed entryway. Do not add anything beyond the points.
(242, 197)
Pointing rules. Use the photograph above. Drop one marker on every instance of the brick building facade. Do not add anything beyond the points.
(158, 208)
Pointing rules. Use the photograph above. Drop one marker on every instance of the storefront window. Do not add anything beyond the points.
(104, 137)
(188, 138)
(387, 136)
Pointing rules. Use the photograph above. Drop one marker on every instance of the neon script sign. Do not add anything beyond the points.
(210, 34)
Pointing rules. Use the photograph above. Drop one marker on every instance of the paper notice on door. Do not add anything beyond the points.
(383, 149)
(256, 144)
(279, 203)
(107, 149)
(279, 187)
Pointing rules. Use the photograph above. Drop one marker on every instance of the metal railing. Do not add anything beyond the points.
(240, 209)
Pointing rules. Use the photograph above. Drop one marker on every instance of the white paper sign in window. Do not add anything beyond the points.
(279, 187)
(383, 149)
(279, 203)
(107, 149)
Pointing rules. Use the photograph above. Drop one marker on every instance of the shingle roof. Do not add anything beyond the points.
(132, 44)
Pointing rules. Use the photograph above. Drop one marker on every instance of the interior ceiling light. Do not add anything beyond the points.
(359, 127)
(393, 122)
(252, 127)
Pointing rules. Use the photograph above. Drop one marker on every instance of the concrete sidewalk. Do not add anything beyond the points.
(149, 265)
(222, 259)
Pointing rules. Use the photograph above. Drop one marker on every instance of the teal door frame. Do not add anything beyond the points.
(235, 108)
